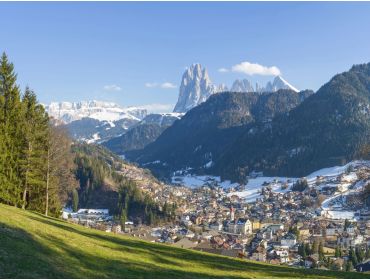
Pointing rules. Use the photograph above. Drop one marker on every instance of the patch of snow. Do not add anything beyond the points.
(254, 187)
(95, 138)
(194, 181)
(208, 164)
(340, 214)
(153, 162)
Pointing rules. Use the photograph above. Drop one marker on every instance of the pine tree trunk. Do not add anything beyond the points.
(47, 184)
(26, 178)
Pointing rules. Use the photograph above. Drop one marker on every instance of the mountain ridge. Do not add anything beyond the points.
(328, 128)
(196, 87)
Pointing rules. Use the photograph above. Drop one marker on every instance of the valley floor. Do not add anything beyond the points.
(35, 246)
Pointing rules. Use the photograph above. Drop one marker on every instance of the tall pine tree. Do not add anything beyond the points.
(33, 157)
(10, 134)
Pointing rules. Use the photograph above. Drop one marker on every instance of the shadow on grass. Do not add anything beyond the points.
(21, 256)
(172, 262)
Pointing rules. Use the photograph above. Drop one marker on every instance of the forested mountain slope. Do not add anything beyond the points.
(203, 134)
(142, 134)
(330, 127)
(103, 185)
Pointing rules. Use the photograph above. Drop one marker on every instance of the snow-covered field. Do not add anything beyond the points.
(254, 187)
(95, 138)
(193, 181)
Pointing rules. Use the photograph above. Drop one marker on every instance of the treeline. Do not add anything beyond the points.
(139, 207)
(35, 159)
(101, 185)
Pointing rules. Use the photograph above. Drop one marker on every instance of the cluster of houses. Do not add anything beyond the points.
(273, 228)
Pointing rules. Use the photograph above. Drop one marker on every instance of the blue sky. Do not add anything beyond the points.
(112, 50)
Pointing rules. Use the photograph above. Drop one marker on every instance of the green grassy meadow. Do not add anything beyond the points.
(35, 246)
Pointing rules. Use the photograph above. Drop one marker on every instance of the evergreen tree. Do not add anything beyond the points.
(349, 266)
(353, 257)
(33, 156)
(302, 251)
(10, 134)
(307, 249)
(321, 252)
(123, 219)
(360, 254)
(336, 254)
(347, 223)
(75, 200)
(315, 247)
(367, 253)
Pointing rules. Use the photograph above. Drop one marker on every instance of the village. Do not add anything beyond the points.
(319, 221)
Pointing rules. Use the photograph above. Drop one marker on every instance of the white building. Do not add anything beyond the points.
(289, 240)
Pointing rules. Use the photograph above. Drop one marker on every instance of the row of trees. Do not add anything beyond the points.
(35, 159)
(358, 255)
(305, 249)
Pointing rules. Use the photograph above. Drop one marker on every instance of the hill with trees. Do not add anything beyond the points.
(135, 139)
(142, 134)
(102, 185)
(329, 128)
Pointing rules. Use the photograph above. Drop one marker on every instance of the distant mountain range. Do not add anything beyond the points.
(123, 129)
(99, 121)
(196, 87)
(95, 121)
(279, 133)
(68, 112)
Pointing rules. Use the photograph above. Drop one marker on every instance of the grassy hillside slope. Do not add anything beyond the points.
(34, 246)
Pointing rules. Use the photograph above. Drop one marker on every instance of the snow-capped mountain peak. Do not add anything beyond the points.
(280, 83)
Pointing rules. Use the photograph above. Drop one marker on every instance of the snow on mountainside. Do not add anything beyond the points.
(68, 112)
(161, 119)
(196, 87)
(279, 83)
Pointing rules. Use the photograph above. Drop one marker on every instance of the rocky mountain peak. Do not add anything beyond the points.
(195, 88)
(242, 86)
